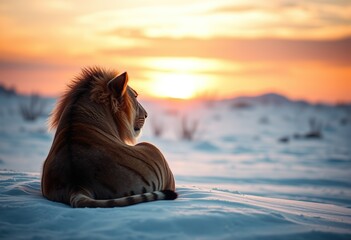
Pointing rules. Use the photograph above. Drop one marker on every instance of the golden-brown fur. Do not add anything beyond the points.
(93, 161)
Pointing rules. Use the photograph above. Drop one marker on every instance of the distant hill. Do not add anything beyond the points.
(267, 98)
(4, 91)
(264, 99)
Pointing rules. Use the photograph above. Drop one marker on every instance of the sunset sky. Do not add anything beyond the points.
(182, 49)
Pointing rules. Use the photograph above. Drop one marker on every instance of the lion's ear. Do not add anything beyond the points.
(118, 85)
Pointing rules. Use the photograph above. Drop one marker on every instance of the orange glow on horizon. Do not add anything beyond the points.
(309, 81)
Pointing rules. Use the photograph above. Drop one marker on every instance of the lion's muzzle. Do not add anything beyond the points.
(139, 124)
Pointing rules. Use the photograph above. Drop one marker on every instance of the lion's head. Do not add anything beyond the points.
(127, 109)
(110, 92)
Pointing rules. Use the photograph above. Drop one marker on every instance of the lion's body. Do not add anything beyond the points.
(90, 163)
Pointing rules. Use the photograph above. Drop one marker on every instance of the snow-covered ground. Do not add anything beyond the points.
(251, 172)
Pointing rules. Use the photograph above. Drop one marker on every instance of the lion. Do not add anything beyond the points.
(94, 160)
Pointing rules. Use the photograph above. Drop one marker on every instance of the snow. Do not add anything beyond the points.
(236, 179)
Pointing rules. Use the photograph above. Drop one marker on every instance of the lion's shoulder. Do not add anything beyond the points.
(148, 148)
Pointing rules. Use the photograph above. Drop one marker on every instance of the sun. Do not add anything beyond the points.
(178, 85)
(179, 78)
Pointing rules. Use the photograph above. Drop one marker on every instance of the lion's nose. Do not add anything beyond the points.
(145, 114)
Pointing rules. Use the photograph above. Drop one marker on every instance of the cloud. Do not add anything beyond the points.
(289, 19)
(126, 32)
(233, 9)
(331, 51)
(286, 19)
(9, 64)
